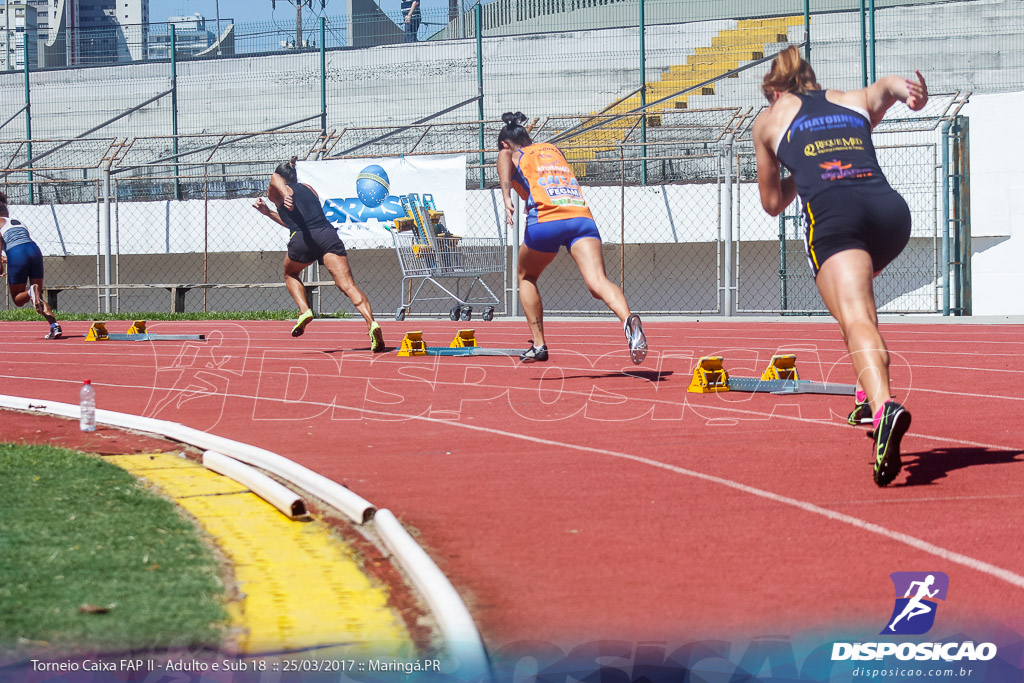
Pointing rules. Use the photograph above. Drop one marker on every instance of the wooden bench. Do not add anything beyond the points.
(178, 291)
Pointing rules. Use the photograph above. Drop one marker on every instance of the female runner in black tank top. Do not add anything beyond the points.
(312, 238)
(855, 223)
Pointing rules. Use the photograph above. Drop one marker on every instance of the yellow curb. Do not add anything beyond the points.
(301, 587)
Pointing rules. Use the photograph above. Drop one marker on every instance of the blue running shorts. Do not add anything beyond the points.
(24, 261)
(551, 236)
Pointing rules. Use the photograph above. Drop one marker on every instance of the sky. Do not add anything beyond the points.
(257, 11)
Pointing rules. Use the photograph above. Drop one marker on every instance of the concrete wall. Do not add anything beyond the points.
(997, 203)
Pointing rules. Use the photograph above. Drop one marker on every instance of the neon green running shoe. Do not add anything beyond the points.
(376, 337)
(861, 414)
(300, 325)
(894, 424)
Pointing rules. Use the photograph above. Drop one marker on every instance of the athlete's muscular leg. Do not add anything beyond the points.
(531, 264)
(292, 271)
(41, 306)
(342, 274)
(590, 260)
(845, 283)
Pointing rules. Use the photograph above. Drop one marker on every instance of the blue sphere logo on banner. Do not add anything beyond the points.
(362, 198)
(373, 186)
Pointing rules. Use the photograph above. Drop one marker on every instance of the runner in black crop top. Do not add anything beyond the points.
(312, 238)
(855, 223)
(829, 145)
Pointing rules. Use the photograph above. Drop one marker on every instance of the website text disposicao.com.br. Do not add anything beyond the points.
(904, 672)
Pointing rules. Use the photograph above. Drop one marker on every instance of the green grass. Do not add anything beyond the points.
(30, 314)
(74, 531)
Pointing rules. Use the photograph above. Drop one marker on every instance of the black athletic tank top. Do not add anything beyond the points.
(829, 145)
(306, 212)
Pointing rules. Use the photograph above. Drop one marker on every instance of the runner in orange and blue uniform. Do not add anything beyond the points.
(557, 215)
(855, 223)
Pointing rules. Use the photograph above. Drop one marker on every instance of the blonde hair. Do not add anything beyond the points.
(789, 73)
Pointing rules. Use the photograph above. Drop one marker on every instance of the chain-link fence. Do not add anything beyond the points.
(680, 217)
(166, 140)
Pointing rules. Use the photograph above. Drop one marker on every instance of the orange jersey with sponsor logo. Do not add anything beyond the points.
(545, 181)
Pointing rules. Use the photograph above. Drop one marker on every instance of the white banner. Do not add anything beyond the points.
(362, 196)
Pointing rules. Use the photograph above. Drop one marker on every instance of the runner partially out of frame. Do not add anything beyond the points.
(24, 262)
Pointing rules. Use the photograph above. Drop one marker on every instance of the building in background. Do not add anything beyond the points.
(84, 32)
(194, 36)
(18, 26)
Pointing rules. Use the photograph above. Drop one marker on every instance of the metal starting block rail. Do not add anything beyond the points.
(137, 332)
(789, 386)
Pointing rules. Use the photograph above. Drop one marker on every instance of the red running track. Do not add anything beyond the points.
(589, 498)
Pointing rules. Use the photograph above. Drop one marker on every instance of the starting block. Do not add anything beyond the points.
(780, 377)
(464, 344)
(709, 376)
(412, 345)
(137, 332)
(464, 339)
(781, 367)
(97, 332)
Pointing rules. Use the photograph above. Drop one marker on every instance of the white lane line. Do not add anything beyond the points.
(975, 564)
(727, 407)
(930, 499)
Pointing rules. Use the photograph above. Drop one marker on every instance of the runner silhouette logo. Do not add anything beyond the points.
(917, 595)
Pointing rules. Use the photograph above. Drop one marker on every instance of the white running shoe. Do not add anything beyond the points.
(636, 338)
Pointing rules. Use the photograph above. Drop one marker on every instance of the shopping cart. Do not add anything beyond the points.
(427, 252)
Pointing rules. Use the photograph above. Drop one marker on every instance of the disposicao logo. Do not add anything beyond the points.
(917, 596)
(916, 603)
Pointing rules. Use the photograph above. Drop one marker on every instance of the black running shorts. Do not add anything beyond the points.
(306, 246)
(874, 219)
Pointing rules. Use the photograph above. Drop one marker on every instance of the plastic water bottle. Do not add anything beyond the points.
(87, 421)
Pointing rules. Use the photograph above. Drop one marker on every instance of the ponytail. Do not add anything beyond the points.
(789, 73)
(286, 170)
(514, 131)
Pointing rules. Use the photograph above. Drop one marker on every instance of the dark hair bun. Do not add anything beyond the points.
(511, 119)
(3, 197)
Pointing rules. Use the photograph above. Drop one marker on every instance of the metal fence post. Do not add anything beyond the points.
(955, 248)
(967, 303)
(174, 113)
(945, 217)
(323, 76)
(807, 30)
(515, 253)
(871, 24)
(727, 211)
(643, 97)
(105, 236)
(863, 47)
(478, 26)
(28, 126)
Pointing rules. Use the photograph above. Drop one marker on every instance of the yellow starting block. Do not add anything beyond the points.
(464, 339)
(97, 331)
(413, 345)
(781, 367)
(709, 376)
